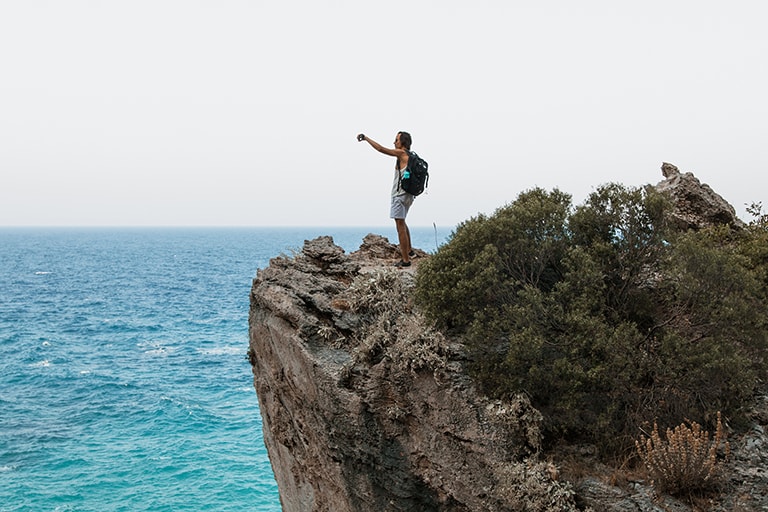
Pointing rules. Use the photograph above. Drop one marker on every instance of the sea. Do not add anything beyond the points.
(124, 383)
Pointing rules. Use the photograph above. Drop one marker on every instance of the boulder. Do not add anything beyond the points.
(696, 205)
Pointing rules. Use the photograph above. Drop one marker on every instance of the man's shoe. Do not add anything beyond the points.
(401, 264)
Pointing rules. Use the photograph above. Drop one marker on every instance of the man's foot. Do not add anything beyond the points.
(401, 264)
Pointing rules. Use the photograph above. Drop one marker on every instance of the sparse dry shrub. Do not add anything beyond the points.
(330, 335)
(392, 329)
(380, 291)
(518, 419)
(417, 346)
(686, 460)
(533, 486)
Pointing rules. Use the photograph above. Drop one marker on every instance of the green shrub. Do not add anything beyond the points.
(754, 243)
(601, 314)
(712, 330)
(489, 259)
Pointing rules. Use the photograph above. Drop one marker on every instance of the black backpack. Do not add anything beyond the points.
(416, 175)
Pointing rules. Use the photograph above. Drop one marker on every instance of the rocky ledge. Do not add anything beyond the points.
(367, 409)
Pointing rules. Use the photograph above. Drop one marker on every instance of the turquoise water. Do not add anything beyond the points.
(123, 378)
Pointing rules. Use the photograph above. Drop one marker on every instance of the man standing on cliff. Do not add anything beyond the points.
(401, 200)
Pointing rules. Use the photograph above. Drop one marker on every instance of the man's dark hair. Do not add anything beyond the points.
(405, 140)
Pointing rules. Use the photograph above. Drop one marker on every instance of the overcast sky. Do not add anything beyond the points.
(244, 113)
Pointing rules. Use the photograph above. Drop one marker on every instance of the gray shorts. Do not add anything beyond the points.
(400, 206)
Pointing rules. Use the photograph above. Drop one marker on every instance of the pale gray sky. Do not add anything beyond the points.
(225, 112)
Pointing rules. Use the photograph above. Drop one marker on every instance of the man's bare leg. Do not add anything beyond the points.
(404, 237)
(408, 232)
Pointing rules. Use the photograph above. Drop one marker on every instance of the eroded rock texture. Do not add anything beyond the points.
(696, 205)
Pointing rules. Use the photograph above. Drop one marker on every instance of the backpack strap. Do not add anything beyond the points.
(401, 171)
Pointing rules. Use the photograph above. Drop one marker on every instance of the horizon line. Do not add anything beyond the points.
(207, 226)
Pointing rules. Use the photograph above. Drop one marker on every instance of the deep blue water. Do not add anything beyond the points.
(123, 378)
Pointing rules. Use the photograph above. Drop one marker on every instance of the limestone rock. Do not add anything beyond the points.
(696, 205)
(346, 435)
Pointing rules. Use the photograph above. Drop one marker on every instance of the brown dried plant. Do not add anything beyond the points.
(686, 461)
(393, 330)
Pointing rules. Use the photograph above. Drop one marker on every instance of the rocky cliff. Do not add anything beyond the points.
(355, 420)
(367, 409)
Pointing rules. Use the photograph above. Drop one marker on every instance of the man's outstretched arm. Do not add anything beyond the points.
(381, 149)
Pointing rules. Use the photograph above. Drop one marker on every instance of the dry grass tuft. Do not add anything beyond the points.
(686, 461)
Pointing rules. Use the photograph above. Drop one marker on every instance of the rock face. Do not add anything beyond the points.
(696, 205)
(351, 434)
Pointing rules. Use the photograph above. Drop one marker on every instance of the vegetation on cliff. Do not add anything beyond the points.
(607, 316)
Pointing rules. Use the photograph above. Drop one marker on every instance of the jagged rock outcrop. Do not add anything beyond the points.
(696, 205)
(346, 433)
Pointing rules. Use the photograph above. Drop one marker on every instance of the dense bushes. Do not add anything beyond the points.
(602, 314)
